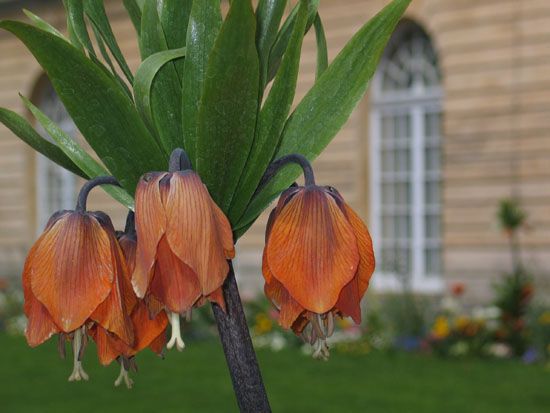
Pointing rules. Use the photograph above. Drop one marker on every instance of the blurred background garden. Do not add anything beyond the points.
(447, 161)
(412, 353)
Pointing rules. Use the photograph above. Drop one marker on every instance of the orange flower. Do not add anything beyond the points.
(184, 241)
(75, 276)
(317, 261)
(148, 332)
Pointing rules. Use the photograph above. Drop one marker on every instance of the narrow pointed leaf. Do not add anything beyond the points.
(42, 24)
(268, 18)
(227, 115)
(272, 117)
(145, 76)
(322, 52)
(134, 11)
(107, 59)
(165, 94)
(77, 24)
(98, 105)
(79, 156)
(73, 38)
(24, 131)
(174, 18)
(95, 10)
(329, 103)
(283, 37)
(205, 21)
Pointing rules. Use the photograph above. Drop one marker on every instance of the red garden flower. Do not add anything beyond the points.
(75, 277)
(317, 261)
(184, 241)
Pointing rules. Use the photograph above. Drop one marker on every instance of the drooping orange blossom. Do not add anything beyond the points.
(75, 279)
(148, 323)
(317, 261)
(184, 242)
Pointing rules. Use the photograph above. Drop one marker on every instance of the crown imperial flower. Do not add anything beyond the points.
(75, 278)
(149, 331)
(184, 242)
(318, 258)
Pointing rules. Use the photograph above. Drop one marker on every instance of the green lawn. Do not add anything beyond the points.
(34, 380)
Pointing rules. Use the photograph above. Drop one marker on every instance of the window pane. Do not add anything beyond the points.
(433, 261)
(431, 158)
(431, 193)
(432, 227)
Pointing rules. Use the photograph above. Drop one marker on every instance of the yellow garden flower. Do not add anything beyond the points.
(441, 329)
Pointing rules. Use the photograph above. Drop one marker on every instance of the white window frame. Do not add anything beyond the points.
(417, 102)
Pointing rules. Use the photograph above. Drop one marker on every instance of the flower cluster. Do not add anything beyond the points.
(80, 280)
(84, 280)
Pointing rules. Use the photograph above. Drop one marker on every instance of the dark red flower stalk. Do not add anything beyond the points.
(318, 259)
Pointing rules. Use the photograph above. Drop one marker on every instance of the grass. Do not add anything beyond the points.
(34, 380)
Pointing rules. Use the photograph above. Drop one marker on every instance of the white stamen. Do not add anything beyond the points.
(124, 376)
(321, 350)
(78, 372)
(175, 337)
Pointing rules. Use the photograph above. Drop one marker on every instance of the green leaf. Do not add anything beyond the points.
(229, 104)
(152, 38)
(42, 24)
(145, 77)
(165, 95)
(174, 18)
(205, 21)
(107, 58)
(134, 11)
(268, 18)
(283, 37)
(329, 103)
(24, 131)
(98, 105)
(272, 117)
(79, 156)
(95, 11)
(322, 53)
(77, 25)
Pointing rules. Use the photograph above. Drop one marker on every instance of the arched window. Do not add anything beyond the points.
(406, 102)
(55, 186)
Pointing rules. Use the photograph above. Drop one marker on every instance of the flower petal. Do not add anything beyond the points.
(72, 269)
(289, 309)
(113, 314)
(224, 231)
(158, 344)
(146, 330)
(150, 226)
(109, 346)
(174, 284)
(40, 326)
(215, 297)
(312, 249)
(366, 252)
(193, 230)
(349, 301)
(128, 245)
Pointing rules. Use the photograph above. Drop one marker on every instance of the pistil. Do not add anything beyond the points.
(175, 338)
(124, 377)
(78, 347)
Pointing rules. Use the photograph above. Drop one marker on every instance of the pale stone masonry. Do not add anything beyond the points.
(494, 57)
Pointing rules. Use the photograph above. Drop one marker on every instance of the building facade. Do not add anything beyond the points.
(456, 119)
